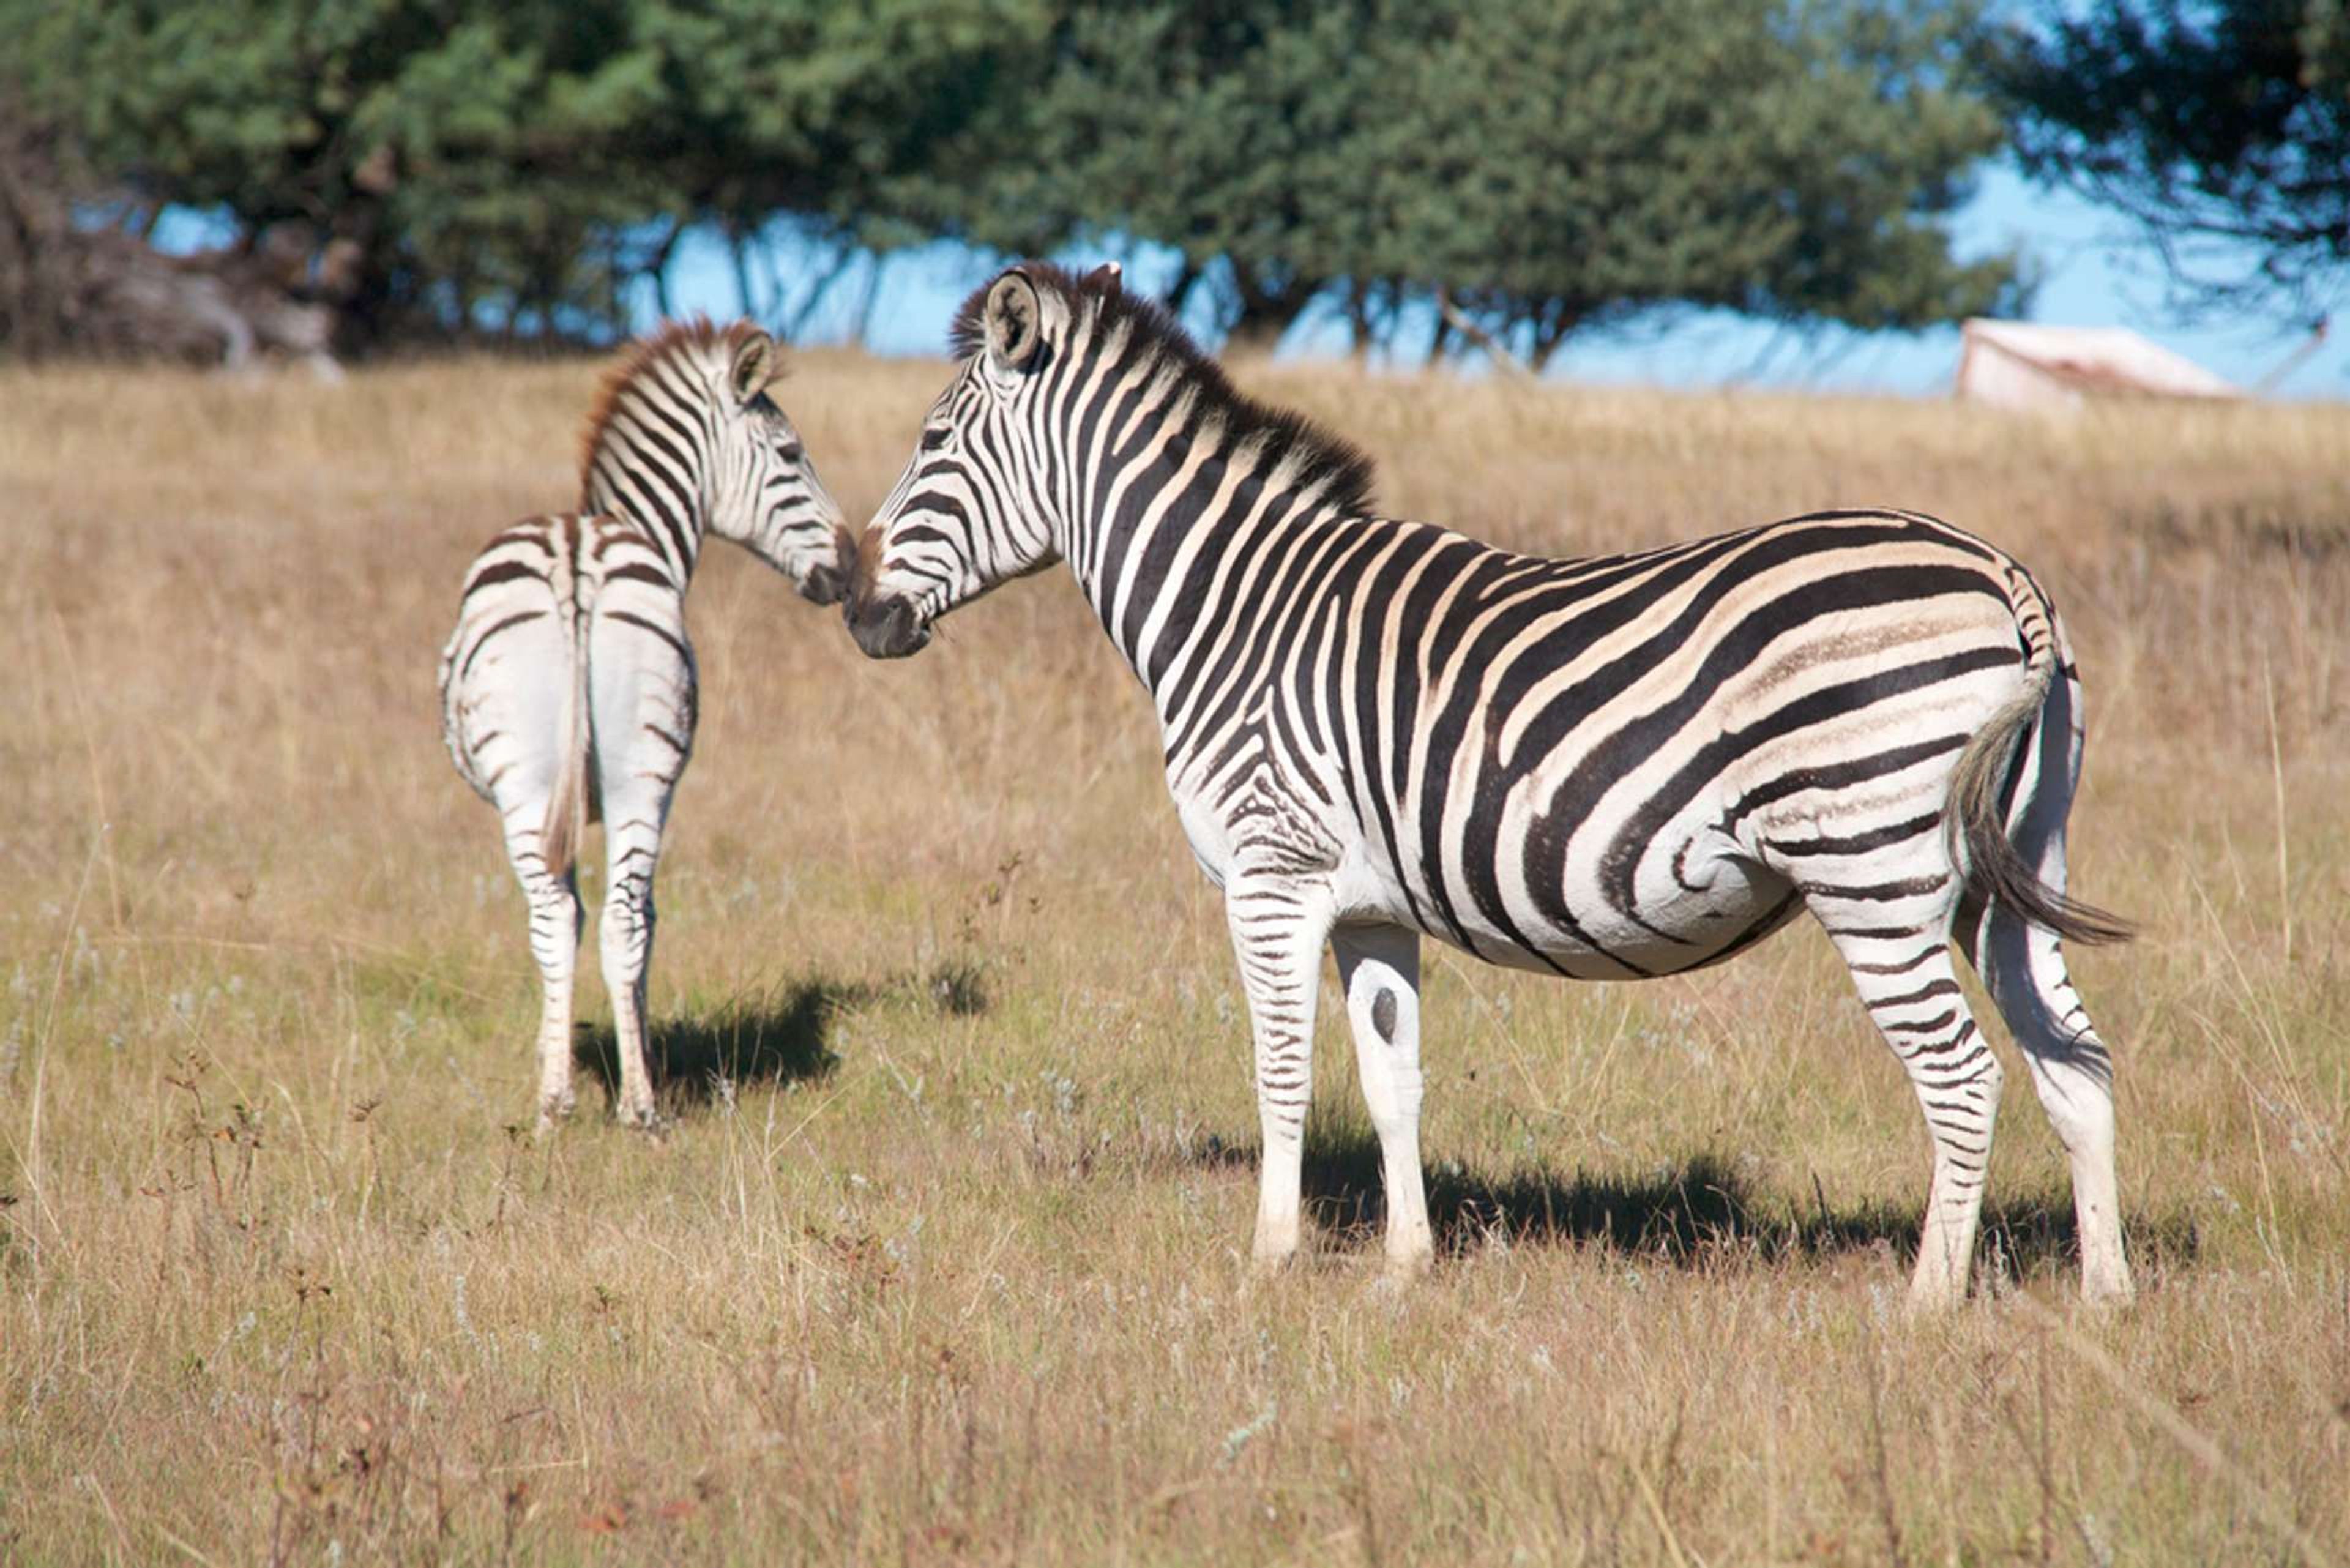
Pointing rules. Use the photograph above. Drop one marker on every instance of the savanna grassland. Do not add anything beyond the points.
(944, 1258)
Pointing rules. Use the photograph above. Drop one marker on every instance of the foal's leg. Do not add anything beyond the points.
(643, 691)
(1379, 967)
(625, 935)
(555, 926)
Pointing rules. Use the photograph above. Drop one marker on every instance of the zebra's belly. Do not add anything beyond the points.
(1699, 906)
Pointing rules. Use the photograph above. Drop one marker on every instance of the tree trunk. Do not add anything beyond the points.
(872, 297)
(1471, 331)
(1184, 280)
(1358, 320)
(1551, 332)
(1267, 313)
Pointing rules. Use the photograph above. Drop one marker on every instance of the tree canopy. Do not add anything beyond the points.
(1540, 168)
(2221, 127)
(1561, 167)
(530, 156)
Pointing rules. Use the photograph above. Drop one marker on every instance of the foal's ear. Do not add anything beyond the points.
(1015, 327)
(1109, 277)
(755, 365)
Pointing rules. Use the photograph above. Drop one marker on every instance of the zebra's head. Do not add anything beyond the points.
(973, 508)
(764, 492)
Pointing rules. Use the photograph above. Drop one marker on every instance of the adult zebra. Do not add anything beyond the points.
(568, 690)
(1607, 769)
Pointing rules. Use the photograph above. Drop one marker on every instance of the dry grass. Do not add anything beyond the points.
(943, 1261)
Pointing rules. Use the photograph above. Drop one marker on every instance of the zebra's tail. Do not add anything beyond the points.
(1987, 771)
(566, 826)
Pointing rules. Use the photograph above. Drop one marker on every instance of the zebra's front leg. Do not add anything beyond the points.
(1379, 967)
(1278, 925)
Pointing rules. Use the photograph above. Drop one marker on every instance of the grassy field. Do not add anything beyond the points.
(943, 1260)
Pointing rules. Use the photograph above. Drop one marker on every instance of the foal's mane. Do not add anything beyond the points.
(688, 339)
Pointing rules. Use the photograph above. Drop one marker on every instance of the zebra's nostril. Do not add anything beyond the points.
(886, 628)
(824, 586)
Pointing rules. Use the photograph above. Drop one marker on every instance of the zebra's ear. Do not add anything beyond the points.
(1014, 331)
(755, 364)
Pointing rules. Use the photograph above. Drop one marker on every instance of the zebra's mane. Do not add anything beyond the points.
(1315, 458)
(690, 338)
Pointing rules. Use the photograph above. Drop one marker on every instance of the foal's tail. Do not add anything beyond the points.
(1992, 768)
(566, 826)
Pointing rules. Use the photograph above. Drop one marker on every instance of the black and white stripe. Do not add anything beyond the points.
(568, 690)
(1605, 769)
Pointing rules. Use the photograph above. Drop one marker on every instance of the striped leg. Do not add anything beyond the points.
(1278, 926)
(643, 690)
(2024, 966)
(625, 935)
(1379, 967)
(555, 926)
(1910, 987)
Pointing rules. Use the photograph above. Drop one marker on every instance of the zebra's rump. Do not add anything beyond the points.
(1640, 764)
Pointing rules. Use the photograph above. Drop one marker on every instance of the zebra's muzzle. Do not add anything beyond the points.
(886, 628)
(828, 583)
(825, 586)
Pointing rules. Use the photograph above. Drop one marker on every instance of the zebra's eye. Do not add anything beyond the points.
(791, 451)
(934, 439)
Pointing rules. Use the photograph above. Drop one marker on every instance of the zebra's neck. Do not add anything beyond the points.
(652, 466)
(1182, 530)
(1183, 504)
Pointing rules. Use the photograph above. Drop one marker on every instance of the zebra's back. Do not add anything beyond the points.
(1623, 765)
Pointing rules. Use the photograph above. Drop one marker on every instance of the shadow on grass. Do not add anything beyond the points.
(1696, 1214)
(778, 1038)
(775, 1039)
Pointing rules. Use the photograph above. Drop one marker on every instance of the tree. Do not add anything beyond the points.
(1547, 168)
(1229, 130)
(1556, 169)
(2222, 129)
(513, 160)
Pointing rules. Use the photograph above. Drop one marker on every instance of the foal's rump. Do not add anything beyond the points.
(503, 672)
(642, 690)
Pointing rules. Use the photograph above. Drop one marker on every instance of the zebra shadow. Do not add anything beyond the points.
(1700, 1213)
(775, 1038)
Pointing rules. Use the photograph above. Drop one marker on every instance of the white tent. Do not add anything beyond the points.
(2025, 365)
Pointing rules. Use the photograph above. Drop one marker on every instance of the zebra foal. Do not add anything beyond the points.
(1378, 730)
(568, 690)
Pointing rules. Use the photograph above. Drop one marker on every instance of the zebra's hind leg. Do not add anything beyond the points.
(1910, 987)
(554, 927)
(1278, 926)
(2023, 967)
(625, 935)
(1379, 967)
(643, 692)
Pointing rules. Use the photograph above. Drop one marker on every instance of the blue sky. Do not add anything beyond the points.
(2094, 273)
